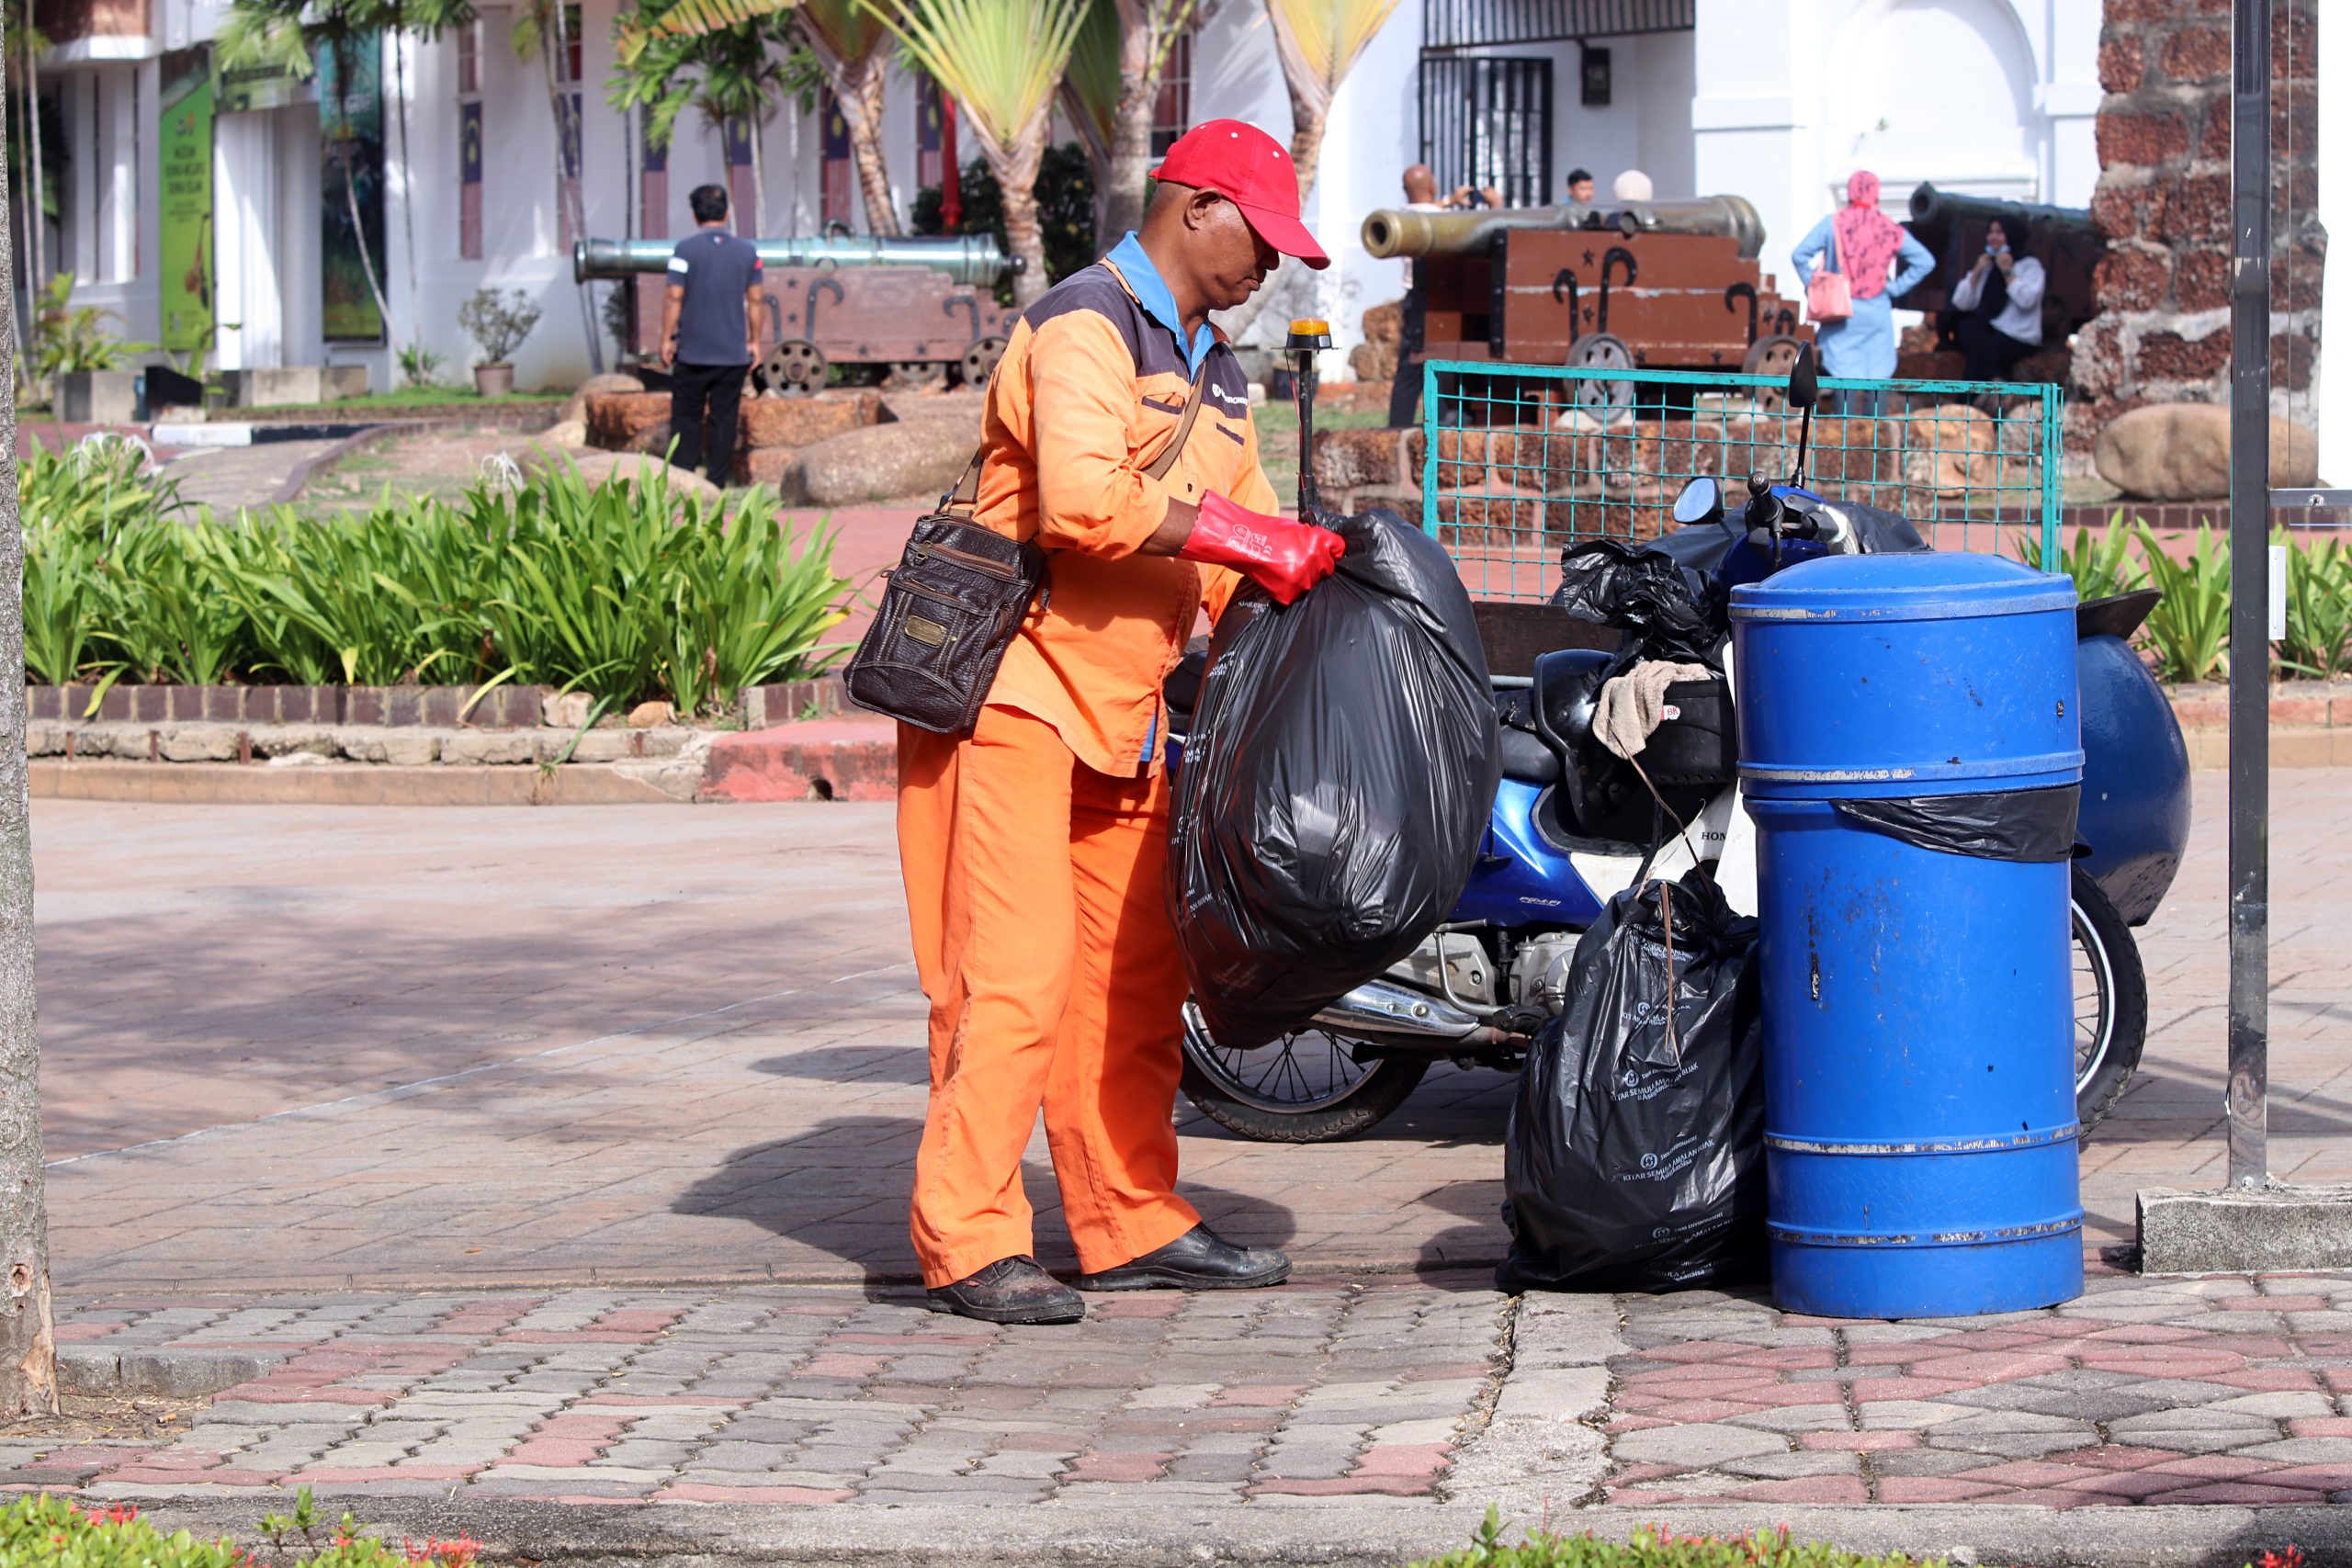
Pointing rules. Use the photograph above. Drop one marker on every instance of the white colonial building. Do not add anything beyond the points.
(1776, 100)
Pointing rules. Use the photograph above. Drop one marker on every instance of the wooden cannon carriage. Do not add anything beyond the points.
(924, 308)
(1651, 285)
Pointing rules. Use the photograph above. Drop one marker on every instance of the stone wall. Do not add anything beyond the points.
(2163, 203)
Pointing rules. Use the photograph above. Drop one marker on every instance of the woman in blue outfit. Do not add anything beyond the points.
(1861, 243)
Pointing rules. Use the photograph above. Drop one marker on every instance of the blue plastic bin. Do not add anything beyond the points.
(1918, 1004)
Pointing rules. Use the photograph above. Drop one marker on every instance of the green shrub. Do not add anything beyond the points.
(2189, 628)
(54, 1532)
(2101, 564)
(626, 591)
(2319, 608)
(1653, 1545)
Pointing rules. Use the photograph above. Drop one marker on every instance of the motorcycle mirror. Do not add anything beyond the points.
(1702, 501)
(1805, 380)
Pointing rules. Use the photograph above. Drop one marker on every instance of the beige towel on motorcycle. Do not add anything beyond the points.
(1633, 705)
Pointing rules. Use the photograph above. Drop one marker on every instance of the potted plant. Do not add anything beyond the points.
(498, 321)
(82, 371)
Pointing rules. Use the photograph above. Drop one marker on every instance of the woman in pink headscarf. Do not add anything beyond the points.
(1862, 243)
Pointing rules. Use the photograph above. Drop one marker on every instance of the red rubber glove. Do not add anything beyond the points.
(1284, 558)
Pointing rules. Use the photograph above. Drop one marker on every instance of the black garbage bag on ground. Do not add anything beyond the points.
(1667, 610)
(1335, 782)
(1636, 1155)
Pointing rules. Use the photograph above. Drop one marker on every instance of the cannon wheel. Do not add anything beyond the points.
(1604, 400)
(1775, 356)
(796, 365)
(979, 361)
(917, 374)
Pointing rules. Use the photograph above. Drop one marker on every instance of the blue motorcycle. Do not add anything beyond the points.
(1573, 823)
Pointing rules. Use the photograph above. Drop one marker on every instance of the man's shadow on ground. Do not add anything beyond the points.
(841, 1189)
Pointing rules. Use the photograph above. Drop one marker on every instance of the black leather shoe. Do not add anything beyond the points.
(1011, 1289)
(1200, 1259)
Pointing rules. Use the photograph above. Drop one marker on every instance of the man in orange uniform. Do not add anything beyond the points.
(1034, 851)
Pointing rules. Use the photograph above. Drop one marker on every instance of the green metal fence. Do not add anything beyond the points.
(1518, 461)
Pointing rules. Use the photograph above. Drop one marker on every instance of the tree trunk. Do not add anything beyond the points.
(1306, 122)
(396, 39)
(1016, 178)
(32, 193)
(40, 177)
(567, 161)
(27, 1329)
(1143, 53)
(360, 232)
(759, 180)
(858, 91)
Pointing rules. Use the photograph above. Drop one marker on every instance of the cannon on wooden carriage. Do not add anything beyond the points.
(1664, 285)
(2062, 239)
(923, 308)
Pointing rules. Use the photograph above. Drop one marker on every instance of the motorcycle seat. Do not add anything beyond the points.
(1527, 759)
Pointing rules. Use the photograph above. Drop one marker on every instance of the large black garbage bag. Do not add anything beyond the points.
(1335, 782)
(1667, 610)
(1635, 1157)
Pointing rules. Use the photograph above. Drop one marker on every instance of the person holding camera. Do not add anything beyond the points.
(2001, 298)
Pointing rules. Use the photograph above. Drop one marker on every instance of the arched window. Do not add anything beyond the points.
(1934, 90)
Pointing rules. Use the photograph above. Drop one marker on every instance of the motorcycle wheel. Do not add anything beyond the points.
(1306, 1088)
(2111, 1003)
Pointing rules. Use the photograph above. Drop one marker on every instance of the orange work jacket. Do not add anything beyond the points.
(1088, 395)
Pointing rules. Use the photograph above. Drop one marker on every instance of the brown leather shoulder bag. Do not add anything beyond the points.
(953, 604)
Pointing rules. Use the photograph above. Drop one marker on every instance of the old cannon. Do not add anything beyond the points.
(1656, 284)
(924, 308)
(1952, 227)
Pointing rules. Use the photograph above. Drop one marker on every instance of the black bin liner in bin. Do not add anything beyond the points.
(1636, 1155)
(2024, 825)
(1337, 779)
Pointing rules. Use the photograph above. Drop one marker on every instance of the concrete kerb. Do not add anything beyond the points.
(1339, 1532)
(2268, 1230)
(357, 441)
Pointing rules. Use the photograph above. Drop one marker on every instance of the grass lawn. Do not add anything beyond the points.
(407, 398)
(1277, 425)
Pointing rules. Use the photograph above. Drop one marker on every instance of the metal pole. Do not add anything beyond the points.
(2249, 583)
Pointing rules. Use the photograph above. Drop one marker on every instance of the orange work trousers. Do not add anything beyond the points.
(1033, 889)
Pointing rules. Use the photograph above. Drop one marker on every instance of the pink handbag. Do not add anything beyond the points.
(1829, 297)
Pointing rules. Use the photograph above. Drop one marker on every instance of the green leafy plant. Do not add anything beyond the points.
(498, 320)
(624, 590)
(41, 1528)
(2319, 608)
(2100, 563)
(1654, 1546)
(2189, 628)
(77, 508)
(605, 592)
(419, 365)
(67, 338)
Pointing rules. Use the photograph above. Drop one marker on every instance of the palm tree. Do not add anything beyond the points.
(1110, 93)
(1002, 58)
(26, 43)
(1318, 41)
(285, 35)
(727, 70)
(853, 48)
(543, 28)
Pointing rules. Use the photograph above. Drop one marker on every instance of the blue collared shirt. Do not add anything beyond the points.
(1151, 293)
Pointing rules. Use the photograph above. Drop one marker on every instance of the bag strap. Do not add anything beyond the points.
(1167, 458)
(967, 493)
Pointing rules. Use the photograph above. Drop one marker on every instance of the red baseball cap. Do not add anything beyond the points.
(1250, 169)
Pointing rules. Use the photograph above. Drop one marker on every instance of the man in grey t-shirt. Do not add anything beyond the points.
(711, 319)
